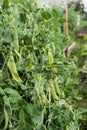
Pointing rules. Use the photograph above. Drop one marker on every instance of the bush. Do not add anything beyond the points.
(37, 81)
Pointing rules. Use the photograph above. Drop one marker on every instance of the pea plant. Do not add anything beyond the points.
(36, 79)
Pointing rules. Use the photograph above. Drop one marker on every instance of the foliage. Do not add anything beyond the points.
(36, 79)
(81, 53)
(76, 20)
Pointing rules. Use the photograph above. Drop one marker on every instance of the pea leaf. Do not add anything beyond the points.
(29, 124)
(46, 15)
(6, 101)
(10, 91)
(62, 20)
(52, 128)
(5, 3)
(30, 108)
(55, 13)
(34, 112)
(1, 91)
(22, 115)
(13, 95)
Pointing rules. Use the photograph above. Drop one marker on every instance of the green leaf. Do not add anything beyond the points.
(62, 20)
(6, 101)
(37, 118)
(40, 127)
(78, 98)
(29, 124)
(8, 38)
(5, 3)
(11, 92)
(46, 15)
(22, 115)
(14, 96)
(17, 1)
(12, 67)
(55, 13)
(2, 91)
(30, 108)
(23, 17)
(34, 112)
(52, 128)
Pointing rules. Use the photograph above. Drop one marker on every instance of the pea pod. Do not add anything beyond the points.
(43, 98)
(50, 57)
(12, 67)
(53, 92)
(56, 86)
(41, 89)
(16, 41)
(54, 69)
(29, 67)
(6, 119)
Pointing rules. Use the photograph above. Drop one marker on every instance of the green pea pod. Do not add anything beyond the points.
(50, 57)
(42, 93)
(6, 119)
(29, 67)
(54, 69)
(43, 98)
(53, 92)
(16, 41)
(13, 70)
(56, 86)
(41, 89)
